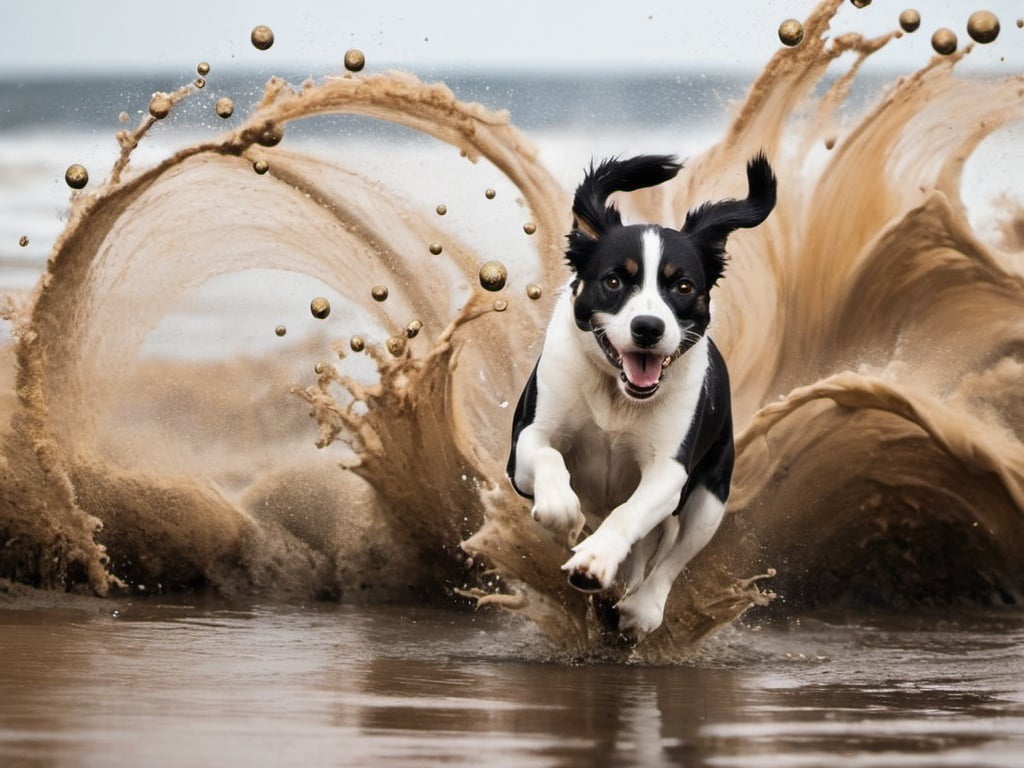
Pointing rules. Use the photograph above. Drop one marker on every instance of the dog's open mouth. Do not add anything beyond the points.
(641, 372)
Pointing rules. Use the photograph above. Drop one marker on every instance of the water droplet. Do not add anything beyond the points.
(262, 37)
(435, 248)
(199, 82)
(280, 330)
(791, 32)
(357, 344)
(76, 176)
(489, 193)
(225, 107)
(944, 41)
(500, 305)
(493, 275)
(320, 307)
(354, 60)
(983, 26)
(396, 345)
(319, 369)
(203, 68)
(529, 227)
(160, 106)
(910, 20)
(23, 241)
(379, 292)
(123, 117)
(861, 3)
(261, 166)
(533, 291)
(413, 328)
(441, 209)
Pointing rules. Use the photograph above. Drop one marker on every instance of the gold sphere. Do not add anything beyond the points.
(261, 166)
(23, 241)
(200, 82)
(500, 305)
(529, 227)
(160, 106)
(533, 291)
(983, 26)
(861, 3)
(944, 41)
(435, 248)
(357, 344)
(225, 107)
(280, 330)
(354, 60)
(379, 292)
(493, 275)
(413, 328)
(830, 142)
(320, 307)
(441, 209)
(203, 68)
(791, 32)
(319, 369)
(262, 37)
(123, 117)
(910, 20)
(489, 193)
(396, 345)
(1020, 23)
(76, 176)
(270, 135)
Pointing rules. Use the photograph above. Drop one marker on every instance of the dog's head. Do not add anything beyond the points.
(643, 291)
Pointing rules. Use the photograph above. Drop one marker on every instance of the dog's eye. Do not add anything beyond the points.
(684, 287)
(612, 282)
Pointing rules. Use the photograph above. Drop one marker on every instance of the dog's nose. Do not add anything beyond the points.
(646, 330)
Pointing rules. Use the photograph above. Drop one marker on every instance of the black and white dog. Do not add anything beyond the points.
(625, 424)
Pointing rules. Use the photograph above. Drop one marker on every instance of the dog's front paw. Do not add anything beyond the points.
(640, 614)
(596, 560)
(556, 508)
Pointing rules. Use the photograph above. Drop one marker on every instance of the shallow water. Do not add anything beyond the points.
(161, 684)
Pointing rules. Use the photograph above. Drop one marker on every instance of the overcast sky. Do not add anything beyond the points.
(65, 36)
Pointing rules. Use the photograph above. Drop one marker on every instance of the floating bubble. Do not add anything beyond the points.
(1020, 23)
(791, 32)
(500, 305)
(489, 193)
(356, 344)
(280, 330)
(160, 106)
(533, 291)
(261, 166)
(319, 369)
(983, 26)
(944, 41)
(203, 68)
(413, 328)
(123, 117)
(529, 227)
(320, 307)
(830, 142)
(441, 209)
(379, 292)
(910, 20)
(396, 345)
(76, 176)
(225, 107)
(199, 82)
(435, 248)
(493, 275)
(861, 3)
(23, 241)
(262, 37)
(270, 135)
(354, 60)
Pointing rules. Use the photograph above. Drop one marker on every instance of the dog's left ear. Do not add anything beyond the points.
(710, 224)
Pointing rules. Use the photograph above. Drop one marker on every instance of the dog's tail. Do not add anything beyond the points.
(592, 216)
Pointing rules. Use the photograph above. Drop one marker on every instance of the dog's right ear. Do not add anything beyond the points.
(592, 216)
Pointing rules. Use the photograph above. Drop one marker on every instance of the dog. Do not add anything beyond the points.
(625, 424)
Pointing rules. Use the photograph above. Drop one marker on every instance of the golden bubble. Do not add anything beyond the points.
(261, 166)
(441, 209)
(944, 41)
(533, 291)
(319, 369)
(280, 330)
(493, 275)
(791, 32)
(76, 176)
(262, 37)
(225, 107)
(529, 227)
(354, 60)
(123, 117)
(320, 307)
(983, 26)
(23, 241)
(489, 193)
(1020, 23)
(500, 305)
(160, 106)
(910, 20)
(203, 68)
(357, 344)
(270, 136)
(435, 248)
(830, 141)
(413, 328)
(861, 3)
(379, 292)
(199, 82)
(396, 345)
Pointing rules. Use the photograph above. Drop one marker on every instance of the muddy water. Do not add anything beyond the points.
(167, 684)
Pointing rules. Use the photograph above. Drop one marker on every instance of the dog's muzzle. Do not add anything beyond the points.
(641, 372)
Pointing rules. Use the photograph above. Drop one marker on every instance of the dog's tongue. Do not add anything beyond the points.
(643, 369)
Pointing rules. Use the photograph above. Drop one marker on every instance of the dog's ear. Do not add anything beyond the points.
(592, 216)
(710, 224)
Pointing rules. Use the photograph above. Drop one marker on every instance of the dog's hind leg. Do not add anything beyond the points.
(642, 611)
